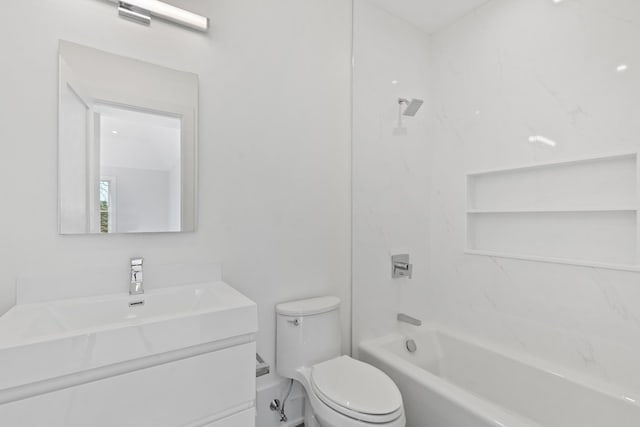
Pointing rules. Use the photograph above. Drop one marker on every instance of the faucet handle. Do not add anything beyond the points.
(401, 267)
(136, 262)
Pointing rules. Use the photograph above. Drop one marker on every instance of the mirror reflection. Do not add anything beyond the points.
(126, 144)
(139, 171)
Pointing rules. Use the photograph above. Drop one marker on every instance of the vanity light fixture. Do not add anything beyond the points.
(141, 11)
(134, 13)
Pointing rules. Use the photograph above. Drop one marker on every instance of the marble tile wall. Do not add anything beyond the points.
(512, 69)
(390, 195)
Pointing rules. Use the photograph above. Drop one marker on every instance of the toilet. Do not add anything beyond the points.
(340, 391)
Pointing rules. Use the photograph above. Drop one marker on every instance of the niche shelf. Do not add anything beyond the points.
(489, 211)
(580, 212)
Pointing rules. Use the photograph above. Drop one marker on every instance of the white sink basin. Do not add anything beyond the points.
(60, 338)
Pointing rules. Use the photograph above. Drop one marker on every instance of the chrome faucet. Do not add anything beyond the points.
(408, 319)
(136, 287)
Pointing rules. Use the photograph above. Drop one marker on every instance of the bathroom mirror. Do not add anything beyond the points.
(126, 145)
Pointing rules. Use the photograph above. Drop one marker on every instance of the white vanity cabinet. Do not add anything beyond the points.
(198, 370)
(245, 418)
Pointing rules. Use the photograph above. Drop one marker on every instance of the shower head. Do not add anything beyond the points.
(412, 106)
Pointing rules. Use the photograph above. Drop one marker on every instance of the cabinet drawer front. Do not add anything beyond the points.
(170, 395)
(243, 419)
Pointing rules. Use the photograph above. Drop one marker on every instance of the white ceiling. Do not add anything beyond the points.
(430, 15)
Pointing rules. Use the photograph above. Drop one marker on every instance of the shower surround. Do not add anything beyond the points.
(512, 84)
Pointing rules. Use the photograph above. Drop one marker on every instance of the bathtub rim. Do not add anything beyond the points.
(475, 405)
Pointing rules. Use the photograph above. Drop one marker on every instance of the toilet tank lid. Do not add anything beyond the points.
(308, 307)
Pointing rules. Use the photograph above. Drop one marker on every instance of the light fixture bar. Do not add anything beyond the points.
(134, 13)
(162, 10)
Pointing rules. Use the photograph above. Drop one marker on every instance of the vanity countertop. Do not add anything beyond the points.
(49, 340)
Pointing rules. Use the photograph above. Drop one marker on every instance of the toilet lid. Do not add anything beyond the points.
(353, 387)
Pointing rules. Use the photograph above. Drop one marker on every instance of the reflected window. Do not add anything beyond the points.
(106, 206)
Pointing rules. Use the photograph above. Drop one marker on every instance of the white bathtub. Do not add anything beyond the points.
(456, 381)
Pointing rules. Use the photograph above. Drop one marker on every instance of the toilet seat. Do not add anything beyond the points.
(356, 390)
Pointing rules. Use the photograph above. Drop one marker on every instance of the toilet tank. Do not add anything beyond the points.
(307, 332)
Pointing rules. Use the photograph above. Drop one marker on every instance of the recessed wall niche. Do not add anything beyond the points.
(582, 212)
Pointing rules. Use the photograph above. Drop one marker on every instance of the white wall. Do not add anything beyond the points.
(509, 70)
(390, 173)
(273, 150)
(286, 126)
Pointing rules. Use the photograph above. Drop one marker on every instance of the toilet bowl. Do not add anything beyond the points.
(344, 392)
(340, 391)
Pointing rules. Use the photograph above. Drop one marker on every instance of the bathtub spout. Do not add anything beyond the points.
(408, 319)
